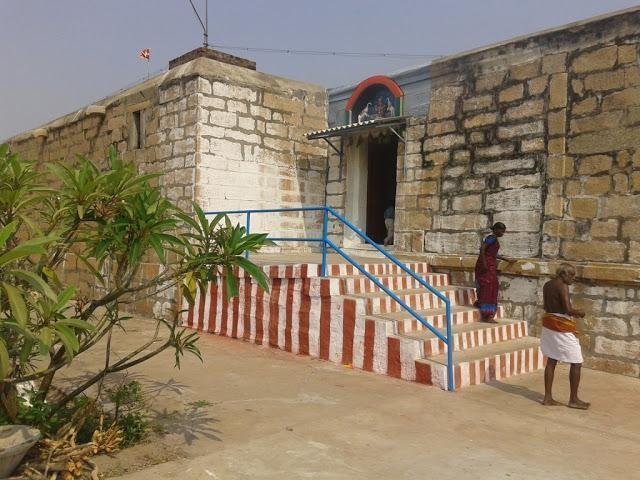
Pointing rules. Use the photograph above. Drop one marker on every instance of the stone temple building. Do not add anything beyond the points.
(540, 132)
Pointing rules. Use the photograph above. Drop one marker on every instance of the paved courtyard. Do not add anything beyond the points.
(274, 415)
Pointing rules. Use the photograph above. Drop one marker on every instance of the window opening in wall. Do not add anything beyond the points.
(137, 130)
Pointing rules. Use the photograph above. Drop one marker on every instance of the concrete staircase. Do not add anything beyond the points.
(347, 319)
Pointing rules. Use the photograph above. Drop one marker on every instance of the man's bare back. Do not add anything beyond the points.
(556, 297)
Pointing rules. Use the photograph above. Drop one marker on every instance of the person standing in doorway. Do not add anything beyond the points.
(486, 273)
(389, 219)
(558, 340)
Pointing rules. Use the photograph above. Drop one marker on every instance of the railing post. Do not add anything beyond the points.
(248, 226)
(325, 221)
(451, 384)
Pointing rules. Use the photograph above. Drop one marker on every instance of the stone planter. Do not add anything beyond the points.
(15, 441)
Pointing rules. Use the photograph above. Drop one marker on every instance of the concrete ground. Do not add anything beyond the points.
(273, 415)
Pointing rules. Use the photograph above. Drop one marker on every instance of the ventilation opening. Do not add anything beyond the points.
(137, 130)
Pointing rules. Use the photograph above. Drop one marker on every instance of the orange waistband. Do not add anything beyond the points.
(559, 324)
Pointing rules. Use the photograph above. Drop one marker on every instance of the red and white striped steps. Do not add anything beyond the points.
(347, 319)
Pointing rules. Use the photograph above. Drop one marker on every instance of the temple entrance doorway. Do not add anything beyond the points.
(381, 183)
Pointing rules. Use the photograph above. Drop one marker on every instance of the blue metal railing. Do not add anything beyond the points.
(325, 242)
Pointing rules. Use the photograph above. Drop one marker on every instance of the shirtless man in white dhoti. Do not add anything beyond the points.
(558, 341)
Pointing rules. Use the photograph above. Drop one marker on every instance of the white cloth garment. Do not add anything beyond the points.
(561, 346)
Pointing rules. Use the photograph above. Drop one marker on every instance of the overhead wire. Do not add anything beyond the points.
(292, 51)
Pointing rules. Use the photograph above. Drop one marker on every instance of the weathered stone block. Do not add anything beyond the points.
(577, 85)
(631, 76)
(604, 228)
(554, 206)
(595, 164)
(583, 207)
(557, 122)
(480, 120)
(225, 149)
(472, 222)
(631, 229)
(520, 244)
(603, 121)
(621, 206)
(213, 102)
(454, 171)
(495, 150)
(587, 105)
(468, 203)
(246, 123)
(600, 59)
(236, 106)
(519, 221)
(523, 199)
(595, 251)
(558, 91)
(511, 94)
(477, 137)
(621, 183)
(258, 111)
(223, 119)
(489, 81)
(477, 103)
(473, 184)
(530, 108)
(443, 101)
(532, 145)
(452, 243)
(537, 85)
(243, 136)
(622, 99)
(461, 156)
(439, 128)
(605, 141)
(627, 53)
(438, 158)
(554, 63)
(525, 70)
(557, 146)
(520, 181)
(444, 142)
(618, 348)
(602, 81)
(597, 185)
(498, 166)
(236, 92)
(560, 228)
(521, 130)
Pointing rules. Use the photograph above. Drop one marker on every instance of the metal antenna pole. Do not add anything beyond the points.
(205, 29)
(206, 22)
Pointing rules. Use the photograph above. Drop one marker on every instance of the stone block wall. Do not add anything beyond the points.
(252, 149)
(542, 134)
(224, 136)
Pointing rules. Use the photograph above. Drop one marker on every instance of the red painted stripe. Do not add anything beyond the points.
(423, 373)
(472, 373)
(201, 311)
(274, 311)
(458, 375)
(369, 333)
(213, 307)
(393, 357)
(259, 315)
(348, 330)
(225, 309)
(235, 308)
(305, 307)
(325, 319)
(248, 299)
(503, 365)
(288, 322)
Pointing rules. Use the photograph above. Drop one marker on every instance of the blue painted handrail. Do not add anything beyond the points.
(326, 242)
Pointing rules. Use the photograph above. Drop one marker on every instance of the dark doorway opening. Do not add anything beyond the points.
(381, 183)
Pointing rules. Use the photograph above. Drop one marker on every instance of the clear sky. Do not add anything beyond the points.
(59, 55)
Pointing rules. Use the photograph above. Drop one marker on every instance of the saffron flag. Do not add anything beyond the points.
(145, 54)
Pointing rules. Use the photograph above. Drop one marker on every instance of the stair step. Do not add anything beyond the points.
(355, 284)
(379, 268)
(460, 314)
(471, 335)
(418, 299)
(483, 364)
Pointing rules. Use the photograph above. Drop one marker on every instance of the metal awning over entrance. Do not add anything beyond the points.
(392, 123)
(343, 130)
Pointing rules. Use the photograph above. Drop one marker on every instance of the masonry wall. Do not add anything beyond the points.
(252, 149)
(224, 136)
(541, 134)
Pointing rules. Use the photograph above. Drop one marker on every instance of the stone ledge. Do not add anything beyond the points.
(535, 267)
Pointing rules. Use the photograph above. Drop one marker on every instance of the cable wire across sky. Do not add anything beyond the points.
(292, 51)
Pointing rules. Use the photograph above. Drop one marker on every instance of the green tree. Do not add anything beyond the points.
(110, 220)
